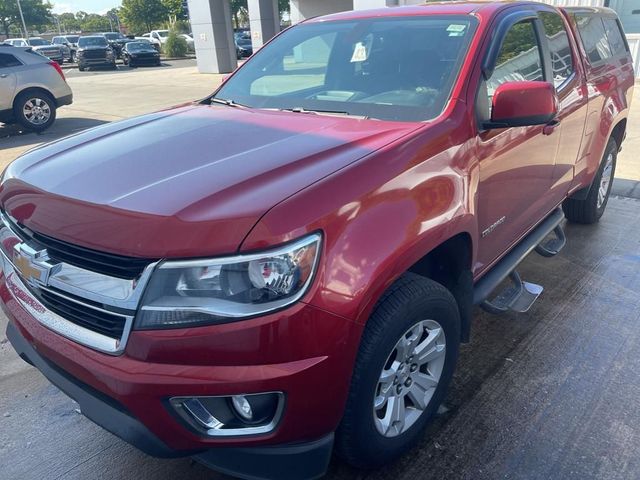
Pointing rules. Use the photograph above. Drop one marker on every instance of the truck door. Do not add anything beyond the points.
(516, 165)
(8, 64)
(561, 57)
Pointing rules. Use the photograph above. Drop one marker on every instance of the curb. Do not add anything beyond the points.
(626, 188)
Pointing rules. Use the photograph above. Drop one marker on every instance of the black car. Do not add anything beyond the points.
(95, 51)
(244, 48)
(117, 41)
(136, 54)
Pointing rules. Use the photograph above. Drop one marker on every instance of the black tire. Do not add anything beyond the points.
(26, 97)
(81, 68)
(409, 300)
(587, 211)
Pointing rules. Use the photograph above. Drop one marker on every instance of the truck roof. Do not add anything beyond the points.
(448, 8)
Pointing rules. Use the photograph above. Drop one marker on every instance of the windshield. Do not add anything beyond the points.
(73, 38)
(92, 42)
(163, 33)
(38, 42)
(393, 68)
(133, 46)
(113, 36)
(243, 41)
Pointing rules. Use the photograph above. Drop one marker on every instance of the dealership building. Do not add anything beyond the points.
(213, 30)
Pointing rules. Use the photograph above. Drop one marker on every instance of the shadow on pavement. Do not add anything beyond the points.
(12, 136)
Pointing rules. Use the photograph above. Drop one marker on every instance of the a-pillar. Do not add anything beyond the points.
(213, 35)
(264, 20)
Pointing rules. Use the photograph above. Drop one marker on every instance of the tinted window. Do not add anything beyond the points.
(519, 58)
(73, 38)
(395, 68)
(558, 41)
(7, 61)
(38, 42)
(92, 42)
(594, 38)
(614, 35)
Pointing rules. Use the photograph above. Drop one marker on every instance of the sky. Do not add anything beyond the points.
(89, 6)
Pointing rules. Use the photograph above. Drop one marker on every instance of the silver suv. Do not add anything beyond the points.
(31, 88)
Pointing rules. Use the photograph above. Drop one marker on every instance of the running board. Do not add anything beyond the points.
(552, 246)
(521, 295)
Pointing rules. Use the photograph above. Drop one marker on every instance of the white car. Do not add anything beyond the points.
(31, 88)
(159, 36)
(190, 43)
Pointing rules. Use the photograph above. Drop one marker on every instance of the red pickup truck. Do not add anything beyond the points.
(290, 264)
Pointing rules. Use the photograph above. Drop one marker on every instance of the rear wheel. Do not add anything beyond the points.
(407, 356)
(590, 209)
(35, 111)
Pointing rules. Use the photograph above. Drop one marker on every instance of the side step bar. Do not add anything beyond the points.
(504, 268)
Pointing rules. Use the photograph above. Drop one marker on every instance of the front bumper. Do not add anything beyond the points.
(297, 461)
(302, 351)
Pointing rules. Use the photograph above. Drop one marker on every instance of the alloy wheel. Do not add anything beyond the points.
(605, 180)
(36, 111)
(409, 378)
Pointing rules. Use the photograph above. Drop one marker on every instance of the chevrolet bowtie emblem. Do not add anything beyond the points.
(31, 264)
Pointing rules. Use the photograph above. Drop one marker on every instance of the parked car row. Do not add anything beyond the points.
(66, 48)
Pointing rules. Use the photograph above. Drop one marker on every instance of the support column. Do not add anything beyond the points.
(213, 35)
(264, 20)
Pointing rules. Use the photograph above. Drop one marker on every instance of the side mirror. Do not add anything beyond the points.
(519, 104)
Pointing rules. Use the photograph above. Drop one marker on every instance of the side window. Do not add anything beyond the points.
(8, 61)
(594, 38)
(616, 41)
(559, 47)
(519, 58)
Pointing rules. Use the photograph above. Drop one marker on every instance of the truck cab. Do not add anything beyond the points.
(288, 266)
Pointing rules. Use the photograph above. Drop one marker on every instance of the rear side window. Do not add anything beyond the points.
(617, 42)
(559, 47)
(594, 38)
(519, 58)
(7, 61)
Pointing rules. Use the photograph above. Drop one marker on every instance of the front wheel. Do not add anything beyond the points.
(590, 209)
(36, 111)
(406, 359)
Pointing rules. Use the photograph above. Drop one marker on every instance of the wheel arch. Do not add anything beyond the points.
(35, 89)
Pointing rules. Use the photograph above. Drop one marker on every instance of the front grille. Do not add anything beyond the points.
(91, 54)
(100, 262)
(100, 321)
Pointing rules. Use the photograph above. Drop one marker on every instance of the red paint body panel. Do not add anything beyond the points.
(524, 100)
(200, 181)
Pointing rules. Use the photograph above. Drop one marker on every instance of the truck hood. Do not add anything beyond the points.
(185, 182)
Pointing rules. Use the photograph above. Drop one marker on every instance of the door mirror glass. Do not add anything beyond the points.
(518, 104)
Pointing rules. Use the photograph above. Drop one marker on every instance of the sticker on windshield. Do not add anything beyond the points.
(359, 53)
(456, 30)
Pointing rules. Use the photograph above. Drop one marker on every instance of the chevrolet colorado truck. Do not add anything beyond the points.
(288, 266)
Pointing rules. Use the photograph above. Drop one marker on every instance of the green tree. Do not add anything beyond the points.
(95, 23)
(143, 14)
(36, 14)
(69, 22)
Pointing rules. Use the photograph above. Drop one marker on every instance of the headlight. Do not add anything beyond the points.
(199, 292)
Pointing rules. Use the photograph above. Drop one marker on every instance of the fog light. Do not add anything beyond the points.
(242, 406)
(249, 414)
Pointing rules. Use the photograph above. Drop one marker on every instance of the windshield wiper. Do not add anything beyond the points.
(224, 101)
(324, 112)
